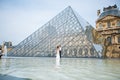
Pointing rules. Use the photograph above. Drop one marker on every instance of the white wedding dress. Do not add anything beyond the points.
(57, 58)
(58, 54)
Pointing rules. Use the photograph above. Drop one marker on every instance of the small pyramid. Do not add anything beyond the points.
(67, 29)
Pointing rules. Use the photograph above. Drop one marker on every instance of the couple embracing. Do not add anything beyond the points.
(58, 52)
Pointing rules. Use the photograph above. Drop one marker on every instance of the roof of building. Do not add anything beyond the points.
(112, 11)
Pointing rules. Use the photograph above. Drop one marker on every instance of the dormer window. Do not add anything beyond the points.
(100, 26)
(118, 23)
(108, 24)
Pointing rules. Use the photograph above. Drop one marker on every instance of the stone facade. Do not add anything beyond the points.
(108, 26)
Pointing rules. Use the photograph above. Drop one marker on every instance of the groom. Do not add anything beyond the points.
(60, 50)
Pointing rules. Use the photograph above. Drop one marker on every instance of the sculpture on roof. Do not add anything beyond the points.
(109, 7)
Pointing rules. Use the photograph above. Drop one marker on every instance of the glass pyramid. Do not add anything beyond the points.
(67, 29)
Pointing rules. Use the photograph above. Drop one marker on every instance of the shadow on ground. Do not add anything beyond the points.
(9, 77)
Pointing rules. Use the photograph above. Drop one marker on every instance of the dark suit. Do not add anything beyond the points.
(60, 53)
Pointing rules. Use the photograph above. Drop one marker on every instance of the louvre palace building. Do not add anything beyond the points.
(108, 25)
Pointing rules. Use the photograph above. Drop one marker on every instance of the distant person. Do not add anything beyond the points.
(5, 51)
(0, 53)
(58, 56)
(58, 53)
(60, 50)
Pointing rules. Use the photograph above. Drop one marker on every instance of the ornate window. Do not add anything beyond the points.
(109, 40)
(118, 39)
(118, 23)
(108, 24)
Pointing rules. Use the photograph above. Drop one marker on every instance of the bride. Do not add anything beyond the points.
(58, 56)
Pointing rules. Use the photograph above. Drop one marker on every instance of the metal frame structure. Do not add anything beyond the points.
(66, 29)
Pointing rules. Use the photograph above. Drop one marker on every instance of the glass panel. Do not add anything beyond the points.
(65, 29)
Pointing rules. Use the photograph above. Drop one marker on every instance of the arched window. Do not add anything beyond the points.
(118, 23)
(109, 40)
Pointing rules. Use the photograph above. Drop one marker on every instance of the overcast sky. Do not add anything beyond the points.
(20, 18)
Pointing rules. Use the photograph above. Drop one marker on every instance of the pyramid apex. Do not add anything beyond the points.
(69, 7)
